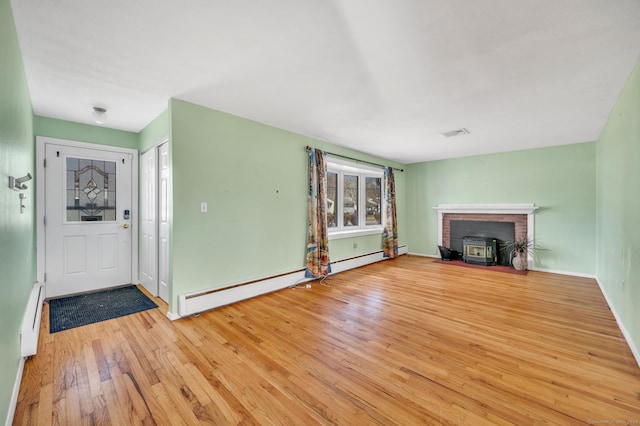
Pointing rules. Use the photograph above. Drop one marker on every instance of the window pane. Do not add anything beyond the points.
(350, 206)
(332, 196)
(373, 188)
(90, 190)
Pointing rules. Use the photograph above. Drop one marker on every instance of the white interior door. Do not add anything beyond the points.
(148, 221)
(88, 210)
(163, 221)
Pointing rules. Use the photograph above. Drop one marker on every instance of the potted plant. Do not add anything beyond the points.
(519, 251)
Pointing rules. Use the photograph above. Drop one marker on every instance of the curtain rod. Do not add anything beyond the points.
(356, 159)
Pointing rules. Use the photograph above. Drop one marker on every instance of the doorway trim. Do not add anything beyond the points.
(40, 200)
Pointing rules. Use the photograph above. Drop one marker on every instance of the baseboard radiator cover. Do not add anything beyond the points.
(31, 321)
(196, 302)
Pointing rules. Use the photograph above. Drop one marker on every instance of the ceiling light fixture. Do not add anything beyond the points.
(99, 114)
(457, 132)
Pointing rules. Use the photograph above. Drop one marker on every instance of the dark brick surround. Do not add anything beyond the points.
(520, 221)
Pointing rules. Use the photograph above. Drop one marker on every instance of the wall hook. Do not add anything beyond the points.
(18, 184)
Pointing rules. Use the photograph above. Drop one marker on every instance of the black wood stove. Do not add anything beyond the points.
(480, 251)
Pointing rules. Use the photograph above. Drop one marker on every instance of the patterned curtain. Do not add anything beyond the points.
(390, 233)
(318, 238)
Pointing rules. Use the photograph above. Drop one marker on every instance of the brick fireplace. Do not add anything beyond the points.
(521, 215)
(519, 221)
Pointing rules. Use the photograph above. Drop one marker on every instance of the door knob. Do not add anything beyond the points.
(125, 226)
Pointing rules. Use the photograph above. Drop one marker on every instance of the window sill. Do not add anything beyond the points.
(336, 235)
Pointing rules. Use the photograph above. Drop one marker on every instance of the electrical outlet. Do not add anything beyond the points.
(203, 207)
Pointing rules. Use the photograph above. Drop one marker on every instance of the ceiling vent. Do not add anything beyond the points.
(457, 132)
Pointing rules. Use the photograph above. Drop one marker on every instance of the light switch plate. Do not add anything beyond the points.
(203, 207)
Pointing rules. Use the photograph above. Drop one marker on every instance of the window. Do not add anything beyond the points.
(373, 194)
(354, 199)
(350, 200)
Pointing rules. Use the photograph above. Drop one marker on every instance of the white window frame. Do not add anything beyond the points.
(341, 168)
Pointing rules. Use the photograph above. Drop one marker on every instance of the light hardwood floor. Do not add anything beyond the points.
(406, 341)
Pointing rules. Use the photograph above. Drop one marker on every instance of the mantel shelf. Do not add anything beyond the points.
(527, 208)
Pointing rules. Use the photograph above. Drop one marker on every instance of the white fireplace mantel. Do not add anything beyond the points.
(526, 208)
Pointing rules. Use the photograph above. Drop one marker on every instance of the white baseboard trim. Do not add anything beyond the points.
(172, 316)
(434, 256)
(14, 396)
(634, 349)
(193, 303)
(573, 274)
(550, 271)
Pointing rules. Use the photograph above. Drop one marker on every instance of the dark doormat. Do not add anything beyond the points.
(75, 311)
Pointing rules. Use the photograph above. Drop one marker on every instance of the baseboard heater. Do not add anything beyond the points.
(31, 321)
(196, 302)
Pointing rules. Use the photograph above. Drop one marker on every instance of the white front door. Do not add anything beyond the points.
(88, 211)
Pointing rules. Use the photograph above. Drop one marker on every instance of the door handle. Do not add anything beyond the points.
(125, 226)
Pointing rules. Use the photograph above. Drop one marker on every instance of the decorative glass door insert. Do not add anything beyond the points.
(91, 190)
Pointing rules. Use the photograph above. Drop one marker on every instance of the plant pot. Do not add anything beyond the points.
(520, 261)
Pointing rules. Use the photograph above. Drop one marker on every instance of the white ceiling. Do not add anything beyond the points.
(381, 76)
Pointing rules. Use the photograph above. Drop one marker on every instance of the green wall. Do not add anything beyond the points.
(61, 129)
(560, 180)
(618, 207)
(155, 131)
(17, 231)
(254, 179)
